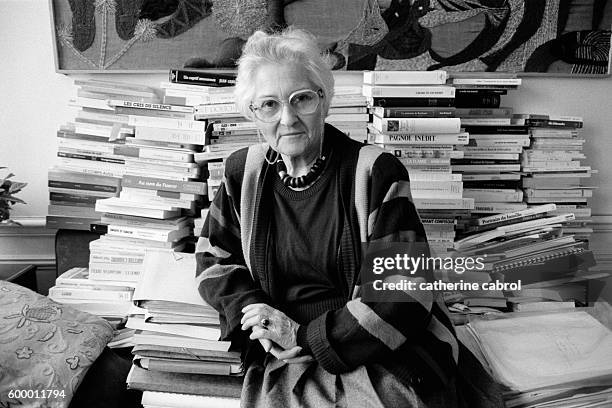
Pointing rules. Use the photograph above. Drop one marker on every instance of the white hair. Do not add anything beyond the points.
(290, 46)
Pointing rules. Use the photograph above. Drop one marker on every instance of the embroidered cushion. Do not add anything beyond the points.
(45, 348)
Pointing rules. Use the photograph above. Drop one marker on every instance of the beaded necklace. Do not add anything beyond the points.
(302, 181)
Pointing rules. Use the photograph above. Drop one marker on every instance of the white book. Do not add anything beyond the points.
(115, 272)
(491, 176)
(405, 77)
(79, 277)
(163, 339)
(150, 106)
(433, 176)
(167, 123)
(487, 81)
(516, 214)
(443, 203)
(154, 399)
(148, 233)
(198, 332)
(101, 130)
(119, 206)
(93, 103)
(407, 138)
(170, 135)
(496, 208)
(379, 91)
(62, 292)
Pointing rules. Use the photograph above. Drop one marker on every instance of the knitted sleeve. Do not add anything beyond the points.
(366, 331)
(223, 279)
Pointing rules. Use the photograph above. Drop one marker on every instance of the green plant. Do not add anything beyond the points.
(8, 189)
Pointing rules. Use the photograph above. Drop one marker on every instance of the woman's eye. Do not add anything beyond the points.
(269, 104)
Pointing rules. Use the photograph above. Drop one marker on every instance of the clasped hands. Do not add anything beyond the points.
(276, 332)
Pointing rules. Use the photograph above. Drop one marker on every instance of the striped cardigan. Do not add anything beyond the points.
(407, 337)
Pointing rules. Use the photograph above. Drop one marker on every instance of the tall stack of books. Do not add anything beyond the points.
(91, 152)
(348, 112)
(553, 170)
(176, 348)
(413, 116)
(491, 161)
(161, 188)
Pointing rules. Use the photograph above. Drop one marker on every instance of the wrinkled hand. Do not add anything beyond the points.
(288, 356)
(281, 329)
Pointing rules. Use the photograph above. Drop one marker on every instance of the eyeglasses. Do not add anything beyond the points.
(303, 102)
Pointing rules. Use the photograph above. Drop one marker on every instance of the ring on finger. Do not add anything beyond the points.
(265, 322)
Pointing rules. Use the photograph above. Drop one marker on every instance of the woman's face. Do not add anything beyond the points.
(293, 134)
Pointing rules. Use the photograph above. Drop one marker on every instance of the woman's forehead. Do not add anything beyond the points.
(280, 80)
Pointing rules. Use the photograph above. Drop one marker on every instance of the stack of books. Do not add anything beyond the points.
(491, 160)
(176, 348)
(91, 152)
(348, 112)
(413, 117)
(212, 96)
(107, 298)
(560, 359)
(553, 169)
(527, 251)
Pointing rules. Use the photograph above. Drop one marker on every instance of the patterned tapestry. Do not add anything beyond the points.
(547, 36)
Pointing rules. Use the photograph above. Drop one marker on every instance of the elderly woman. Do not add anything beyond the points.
(281, 251)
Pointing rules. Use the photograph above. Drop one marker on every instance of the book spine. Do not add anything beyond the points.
(119, 272)
(412, 102)
(171, 135)
(192, 187)
(59, 293)
(417, 125)
(155, 113)
(97, 256)
(249, 126)
(153, 153)
(498, 207)
(458, 138)
(409, 91)
(404, 77)
(477, 101)
(413, 113)
(83, 186)
(193, 77)
(458, 203)
(165, 123)
(150, 106)
(91, 157)
(498, 129)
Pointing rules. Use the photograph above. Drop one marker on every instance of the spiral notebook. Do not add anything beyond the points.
(546, 266)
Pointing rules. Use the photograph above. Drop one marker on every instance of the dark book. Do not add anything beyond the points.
(413, 102)
(434, 112)
(482, 161)
(71, 223)
(98, 228)
(83, 186)
(201, 77)
(73, 198)
(477, 101)
(475, 91)
(502, 129)
(553, 123)
(492, 184)
(91, 157)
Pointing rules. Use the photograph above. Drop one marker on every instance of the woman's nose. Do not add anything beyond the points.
(288, 115)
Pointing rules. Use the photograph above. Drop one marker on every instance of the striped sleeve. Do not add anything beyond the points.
(223, 279)
(366, 331)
